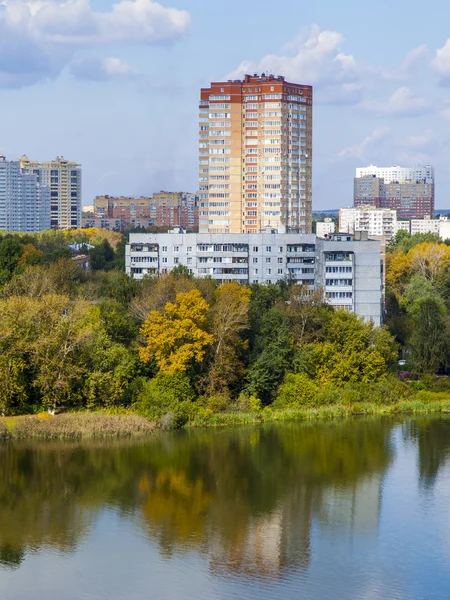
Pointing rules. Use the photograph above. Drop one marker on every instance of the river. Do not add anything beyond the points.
(356, 509)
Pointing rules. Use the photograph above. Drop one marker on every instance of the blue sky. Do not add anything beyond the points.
(114, 84)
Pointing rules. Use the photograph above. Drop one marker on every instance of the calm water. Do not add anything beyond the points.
(349, 510)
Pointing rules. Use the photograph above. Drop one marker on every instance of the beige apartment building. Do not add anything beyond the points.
(63, 177)
(255, 156)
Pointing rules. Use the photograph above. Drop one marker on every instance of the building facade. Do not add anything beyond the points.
(376, 221)
(24, 201)
(408, 190)
(255, 156)
(325, 227)
(64, 180)
(348, 271)
(163, 209)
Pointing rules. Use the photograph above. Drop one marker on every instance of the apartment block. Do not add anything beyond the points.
(348, 271)
(163, 209)
(64, 180)
(375, 221)
(24, 201)
(325, 227)
(255, 156)
(408, 190)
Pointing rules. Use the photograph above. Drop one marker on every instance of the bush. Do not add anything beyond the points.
(166, 393)
(296, 391)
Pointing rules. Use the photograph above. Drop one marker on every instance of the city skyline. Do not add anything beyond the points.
(115, 85)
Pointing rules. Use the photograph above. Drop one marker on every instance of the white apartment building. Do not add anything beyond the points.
(439, 226)
(376, 221)
(24, 202)
(402, 225)
(348, 271)
(396, 174)
(64, 180)
(325, 227)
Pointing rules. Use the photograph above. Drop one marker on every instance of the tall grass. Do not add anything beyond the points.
(82, 426)
(4, 434)
(432, 403)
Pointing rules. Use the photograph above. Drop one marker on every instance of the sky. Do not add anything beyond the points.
(114, 84)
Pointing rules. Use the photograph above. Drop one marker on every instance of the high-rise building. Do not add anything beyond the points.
(24, 201)
(255, 156)
(64, 180)
(408, 190)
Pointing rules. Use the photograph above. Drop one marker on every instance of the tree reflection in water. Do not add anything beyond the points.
(244, 498)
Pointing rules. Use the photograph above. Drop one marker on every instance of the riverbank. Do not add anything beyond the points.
(80, 426)
(439, 404)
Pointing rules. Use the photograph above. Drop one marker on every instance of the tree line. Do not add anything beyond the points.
(88, 339)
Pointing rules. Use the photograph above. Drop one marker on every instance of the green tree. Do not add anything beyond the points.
(102, 256)
(229, 322)
(10, 253)
(428, 343)
(271, 357)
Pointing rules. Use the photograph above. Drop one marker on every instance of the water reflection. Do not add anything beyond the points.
(246, 499)
(432, 437)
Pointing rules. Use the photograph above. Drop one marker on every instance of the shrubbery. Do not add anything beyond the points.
(298, 391)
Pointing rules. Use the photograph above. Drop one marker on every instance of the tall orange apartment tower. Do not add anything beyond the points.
(255, 156)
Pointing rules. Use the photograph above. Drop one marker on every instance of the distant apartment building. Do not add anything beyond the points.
(63, 177)
(408, 190)
(24, 201)
(255, 156)
(349, 271)
(163, 209)
(375, 221)
(439, 226)
(325, 227)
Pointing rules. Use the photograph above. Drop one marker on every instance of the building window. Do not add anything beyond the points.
(164, 259)
(280, 260)
(164, 249)
(255, 248)
(268, 260)
(268, 248)
(280, 271)
(176, 261)
(255, 260)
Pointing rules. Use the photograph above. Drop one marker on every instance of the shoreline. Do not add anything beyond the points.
(103, 426)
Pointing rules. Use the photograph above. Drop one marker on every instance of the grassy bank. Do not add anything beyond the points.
(82, 426)
(440, 403)
(75, 427)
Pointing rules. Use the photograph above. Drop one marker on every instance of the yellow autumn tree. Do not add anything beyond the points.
(432, 261)
(176, 338)
(398, 270)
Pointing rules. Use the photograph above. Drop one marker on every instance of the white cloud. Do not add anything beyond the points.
(402, 103)
(441, 63)
(315, 59)
(421, 141)
(95, 69)
(360, 151)
(39, 37)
